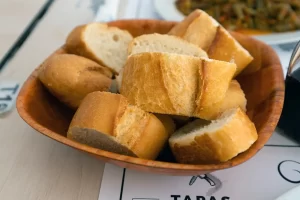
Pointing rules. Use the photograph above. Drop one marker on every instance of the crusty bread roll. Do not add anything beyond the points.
(106, 121)
(198, 30)
(226, 48)
(174, 84)
(234, 97)
(70, 77)
(201, 142)
(103, 44)
(164, 43)
(203, 30)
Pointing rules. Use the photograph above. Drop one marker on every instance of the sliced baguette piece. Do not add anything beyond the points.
(164, 43)
(202, 142)
(174, 84)
(201, 29)
(70, 77)
(103, 44)
(198, 28)
(234, 97)
(226, 48)
(106, 121)
(180, 28)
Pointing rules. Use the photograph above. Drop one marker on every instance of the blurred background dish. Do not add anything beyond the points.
(271, 21)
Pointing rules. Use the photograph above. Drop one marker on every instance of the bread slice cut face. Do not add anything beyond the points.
(164, 43)
(101, 43)
(202, 142)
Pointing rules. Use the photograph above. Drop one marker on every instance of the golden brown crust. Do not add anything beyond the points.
(198, 28)
(234, 137)
(118, 127)
(214, 80)
(225, 48)
(234, 97)
(201, 29)
(70, 77)
(202, 81)
(180, 28)
(152, 139)
(256, 52)
(134, 73)
(93, 112)
(161, 90)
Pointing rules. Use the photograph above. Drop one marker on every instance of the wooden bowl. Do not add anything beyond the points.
(263, 86)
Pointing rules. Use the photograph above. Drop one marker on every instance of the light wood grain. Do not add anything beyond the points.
(33, 166)
(15, 15)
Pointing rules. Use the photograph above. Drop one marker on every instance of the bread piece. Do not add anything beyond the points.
(226, 48)
(174, 84)
(180, 28)
(70, 77)
(119, 79)
(234, 97)
(201, 142)
(106, 121)
(198, 28)
(164, 43)
(201, 29)
(103, 44)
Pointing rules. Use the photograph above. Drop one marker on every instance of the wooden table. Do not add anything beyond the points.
(33, 166)
(13, 23)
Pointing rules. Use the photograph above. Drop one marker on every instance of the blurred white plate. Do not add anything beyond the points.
(168, 11)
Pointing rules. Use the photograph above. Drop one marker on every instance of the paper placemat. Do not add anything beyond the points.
(272, 172)
(8, 93)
